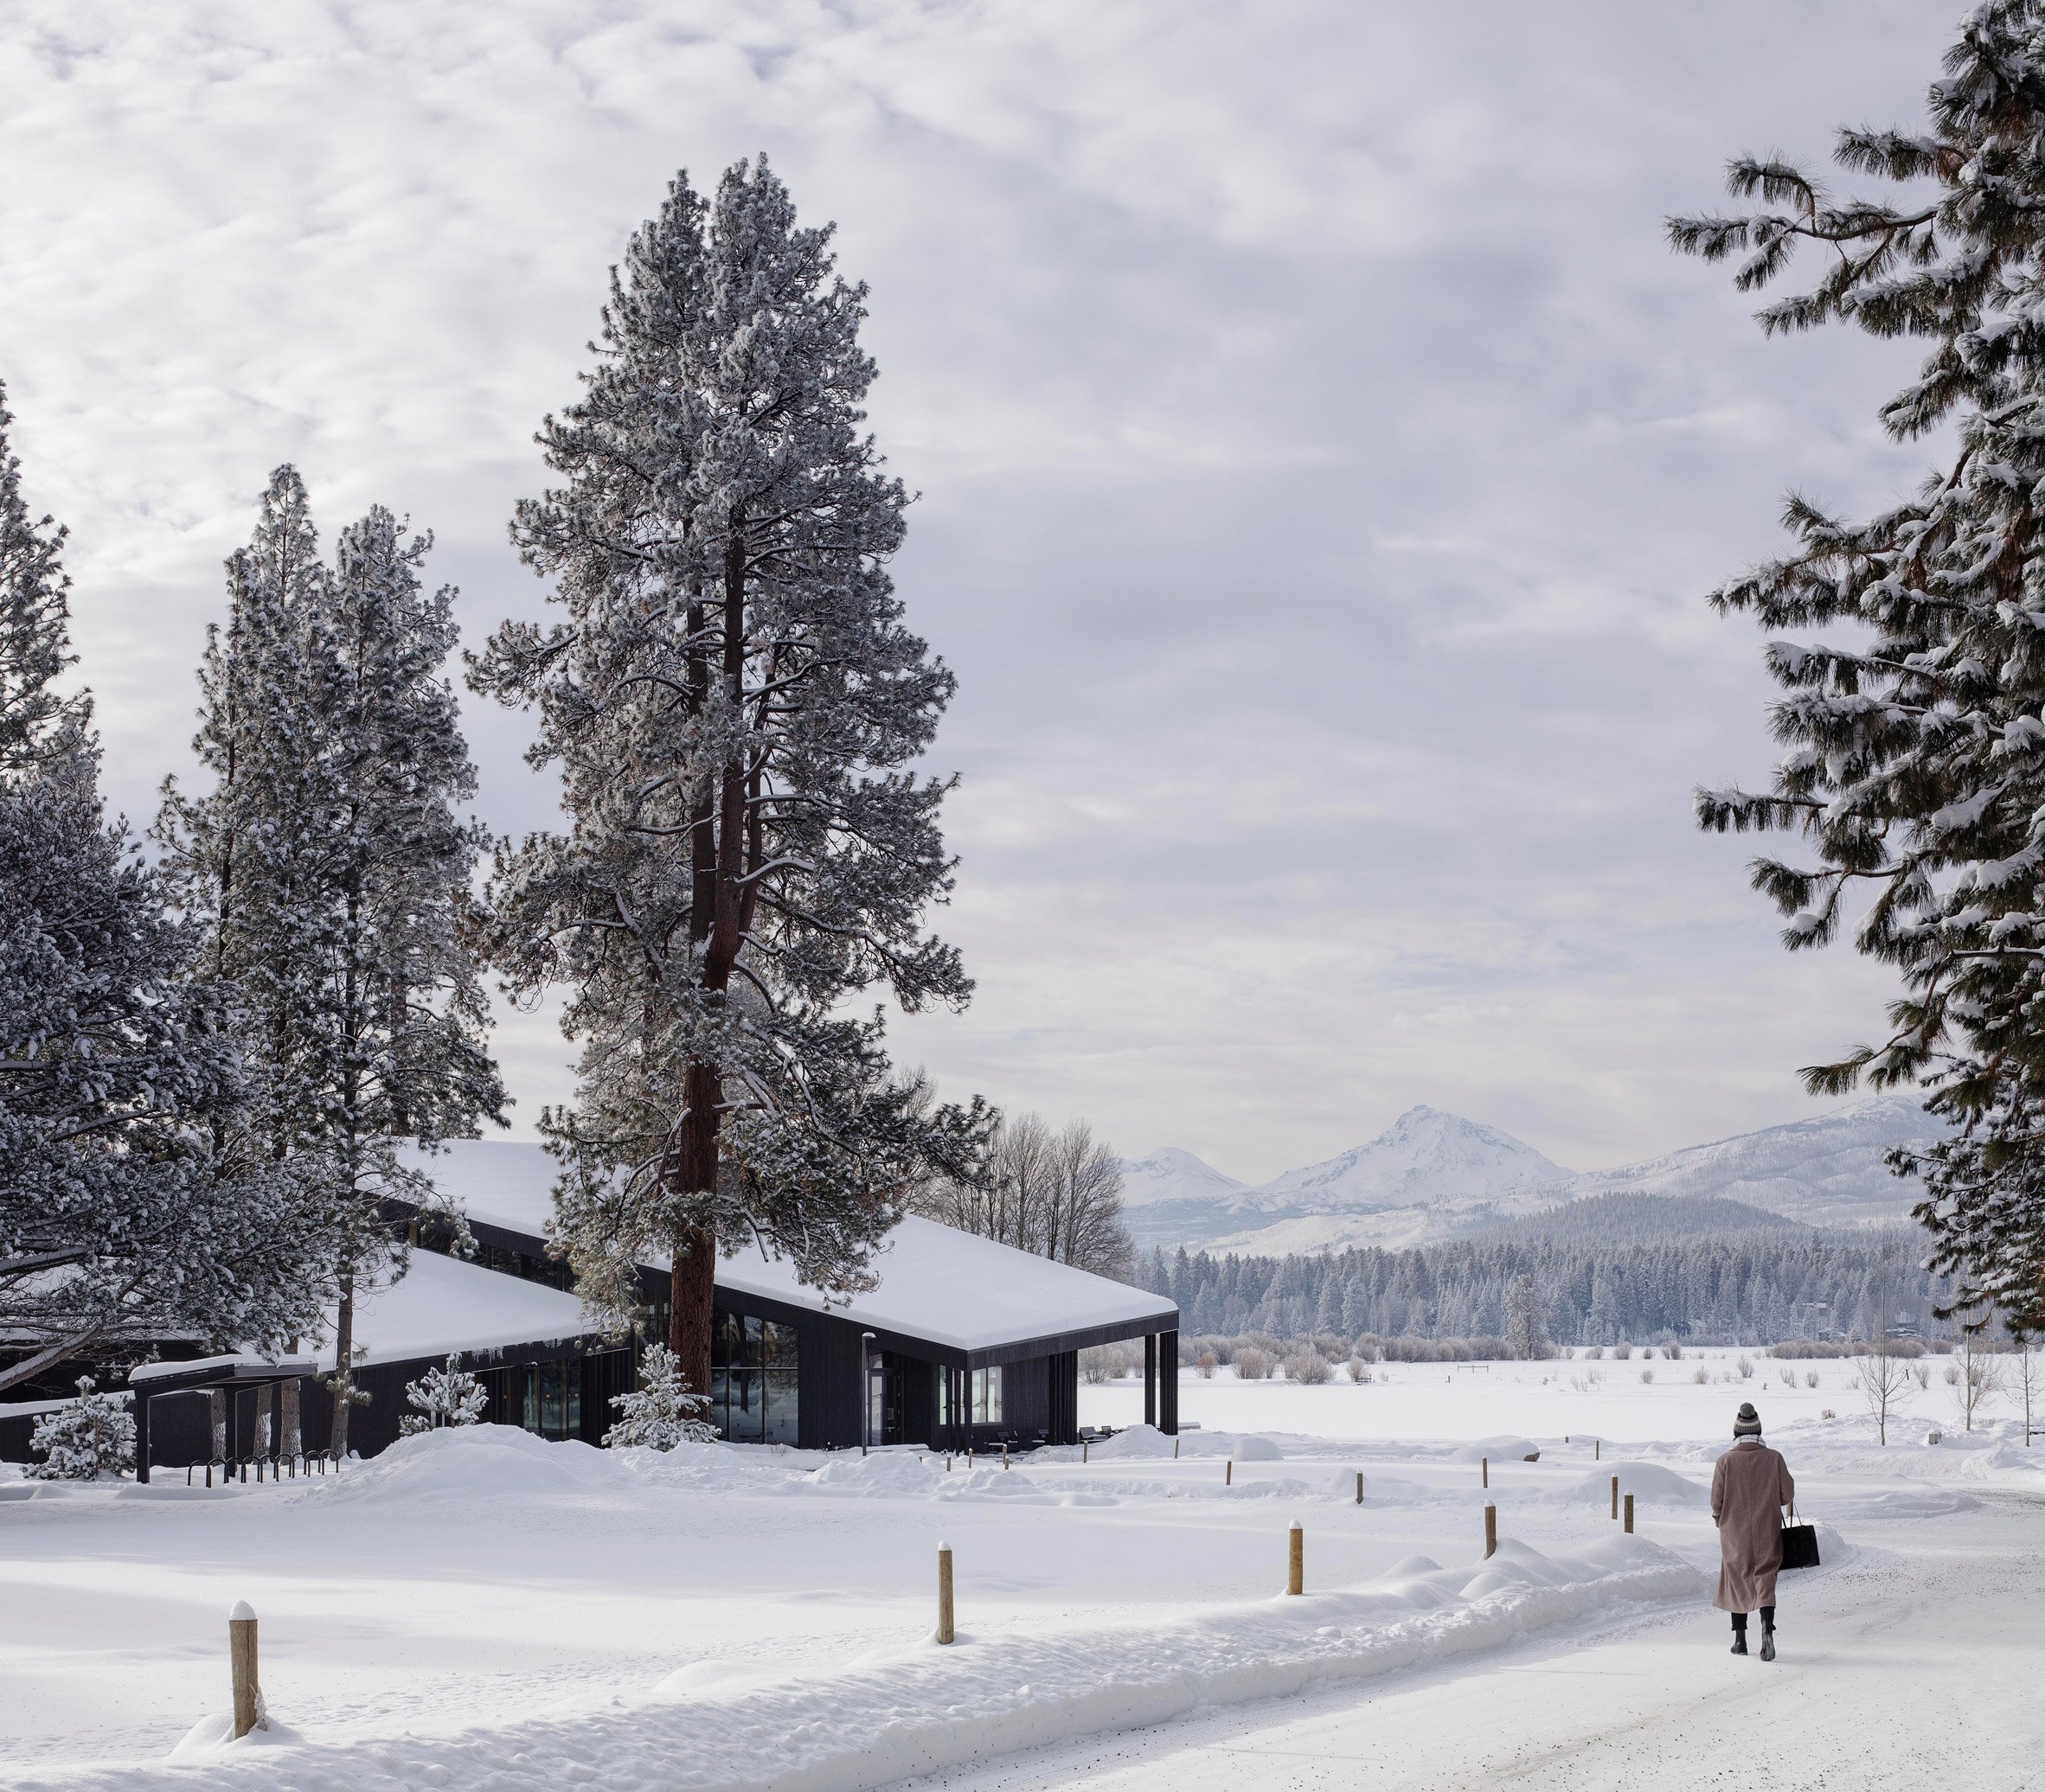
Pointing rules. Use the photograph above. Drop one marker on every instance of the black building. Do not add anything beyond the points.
(962, 1343)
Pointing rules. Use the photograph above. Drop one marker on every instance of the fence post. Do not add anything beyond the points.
(1615, 1496)
(1597, 1449)
(1490, 1530)
(241, 1654)
(1084, 1442)
(1628, 1514)
(945, 1630)
(1359, 1487)
(1005, 1455)
(1296, 1560)
(1229, 1473)
(1487, 1471)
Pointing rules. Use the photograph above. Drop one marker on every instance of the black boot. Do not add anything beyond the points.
(1767, 1633)
(1739, 1632)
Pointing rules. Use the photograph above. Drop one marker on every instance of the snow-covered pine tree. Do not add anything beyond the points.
(735, 707)
(443, 1397)
(661, 1411)
(40, 726)
(135, 1201)
(329, 869)
(84, 1438)
(1524, 1334)
(1915, 747)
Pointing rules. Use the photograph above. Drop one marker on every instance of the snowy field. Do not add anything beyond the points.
(485, 1609)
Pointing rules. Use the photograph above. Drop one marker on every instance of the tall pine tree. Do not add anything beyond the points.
(1914, 762)
(135, 1204)
(40, 724)
(329, 869)
(735, 705)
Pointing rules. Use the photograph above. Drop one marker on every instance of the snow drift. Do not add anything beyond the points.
(914, 1709)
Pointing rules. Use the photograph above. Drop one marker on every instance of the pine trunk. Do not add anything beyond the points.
(693, 1278)
(343, 1367)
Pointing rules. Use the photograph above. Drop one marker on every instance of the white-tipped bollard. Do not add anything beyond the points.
(241, 1655)
(946, 1632)
(1296, 1560)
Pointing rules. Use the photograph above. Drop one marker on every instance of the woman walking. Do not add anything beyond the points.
(1749, 1488)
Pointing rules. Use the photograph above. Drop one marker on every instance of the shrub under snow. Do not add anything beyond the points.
(444, 1397)
(1311, 1368)
(84, 1438)
(1253, 1364)
(662, 1412)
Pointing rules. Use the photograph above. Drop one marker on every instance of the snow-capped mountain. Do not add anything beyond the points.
(1173, 1174)
(1429, 1174)
(1825, 1171)
(1433, 1176)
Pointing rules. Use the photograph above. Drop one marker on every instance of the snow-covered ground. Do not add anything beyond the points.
(1643, 1398)
(488, 1609)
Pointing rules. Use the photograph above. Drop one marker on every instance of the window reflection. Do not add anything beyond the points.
(753, 1389)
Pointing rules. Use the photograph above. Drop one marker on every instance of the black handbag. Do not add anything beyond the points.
(1799, 1543)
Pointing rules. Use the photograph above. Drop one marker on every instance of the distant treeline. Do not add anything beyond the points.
(1756, 1287)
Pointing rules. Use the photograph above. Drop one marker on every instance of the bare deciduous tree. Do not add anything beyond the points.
(2026, 1370)
(1885, 1377)
(1980, 1378)
(1056, 1195)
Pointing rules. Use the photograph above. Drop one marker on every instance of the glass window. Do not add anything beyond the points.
(528, 1397)
(755, 1394)
(572, 1375)
(987, 1397)
(553, 1418)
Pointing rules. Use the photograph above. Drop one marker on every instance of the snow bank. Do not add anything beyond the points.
(897, 1712)
(1506, 1448)
(1649, 1482)
(471, 1463)
(1137, 1441)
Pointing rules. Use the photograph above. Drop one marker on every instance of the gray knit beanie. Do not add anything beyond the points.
(1748, 1424)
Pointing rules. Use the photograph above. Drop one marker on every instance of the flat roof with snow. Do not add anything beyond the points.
(937, 1283)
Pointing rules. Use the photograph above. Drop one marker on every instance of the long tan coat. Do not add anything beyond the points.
(1749, 1487)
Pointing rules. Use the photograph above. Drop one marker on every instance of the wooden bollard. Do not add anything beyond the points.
(1490, 1530)
(241, 1655)
(1359, 1487)
(1004, 1455)
(1487, 1470)
(1597, 1449)
(1229, 1473)
(1174, 1449)
(945, 1632)
(1296, 1560)
(1628, 1514)
(1615, 1496)
(1084, 1442)
(947, 1462)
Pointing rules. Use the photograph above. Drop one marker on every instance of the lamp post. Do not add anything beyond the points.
(866, 1394)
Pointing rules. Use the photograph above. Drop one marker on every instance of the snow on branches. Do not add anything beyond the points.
(662, 1411)
(328, 869)
(84, 1439)
(1914, 749)
(449, 1396)
(735, 708)
(40, 726)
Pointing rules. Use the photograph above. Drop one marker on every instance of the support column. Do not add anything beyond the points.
(1168, 1382)
(1150, 1380)
(141, 1437)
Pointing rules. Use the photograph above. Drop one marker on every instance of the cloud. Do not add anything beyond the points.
(1322, 462)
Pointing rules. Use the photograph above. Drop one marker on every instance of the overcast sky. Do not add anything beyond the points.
(1322, 463)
